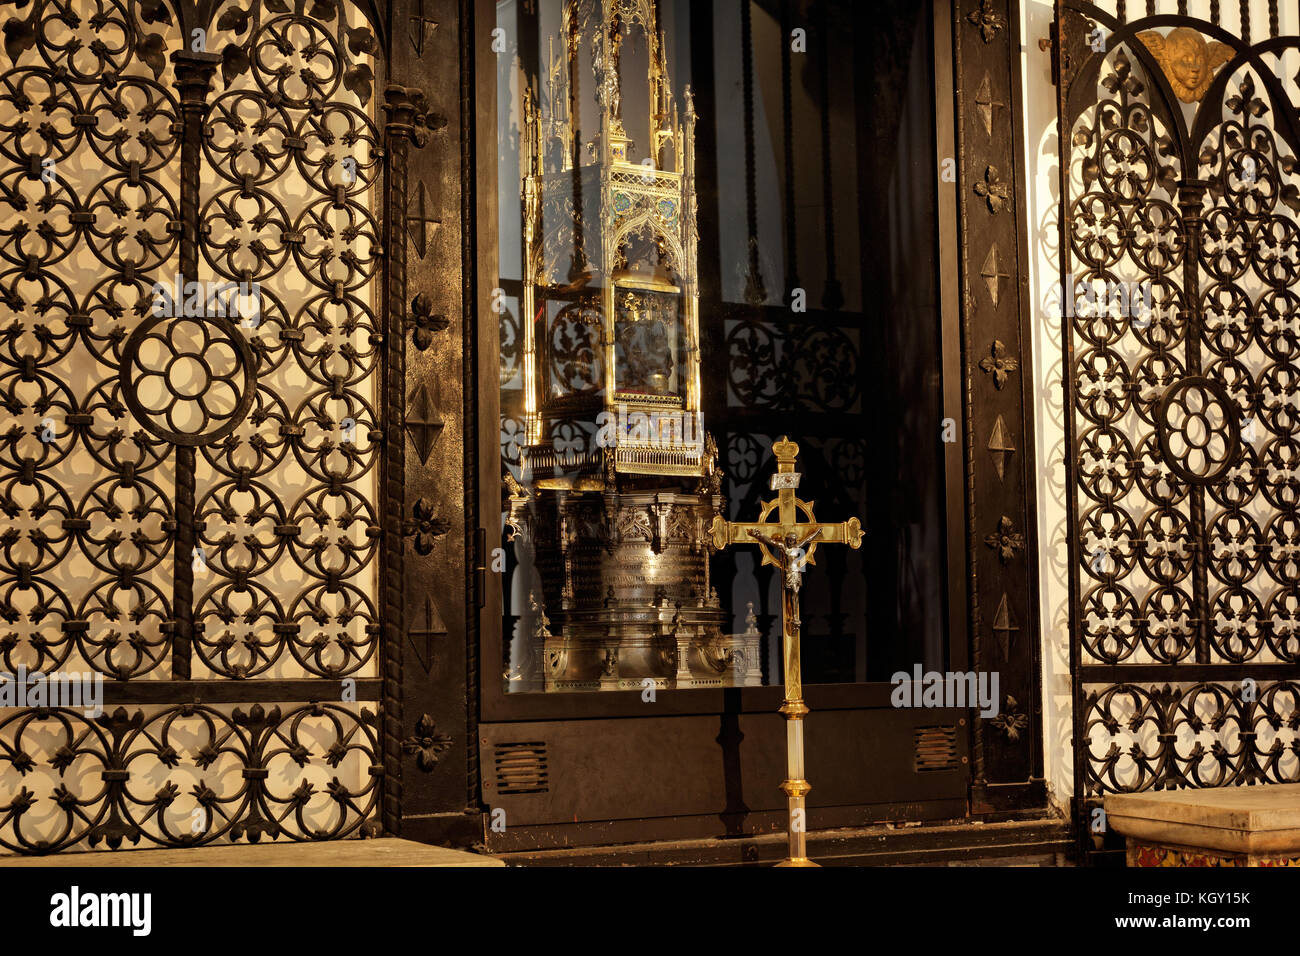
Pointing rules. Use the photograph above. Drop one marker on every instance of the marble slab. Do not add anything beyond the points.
(1248, 820)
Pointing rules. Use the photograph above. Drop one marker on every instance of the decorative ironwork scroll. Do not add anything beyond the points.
(1180, 258)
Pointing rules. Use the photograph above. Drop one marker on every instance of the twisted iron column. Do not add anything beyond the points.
(194, 72)
(404, 126)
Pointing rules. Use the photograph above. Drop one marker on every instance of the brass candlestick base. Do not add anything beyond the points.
(795, 786)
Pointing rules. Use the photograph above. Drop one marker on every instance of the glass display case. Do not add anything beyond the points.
(617, 480)
(684, 284)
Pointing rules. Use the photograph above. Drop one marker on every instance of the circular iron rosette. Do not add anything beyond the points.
(188, 380)
(1200, 437)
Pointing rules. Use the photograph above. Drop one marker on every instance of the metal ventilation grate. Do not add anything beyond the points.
(936, 749)
(521, 767)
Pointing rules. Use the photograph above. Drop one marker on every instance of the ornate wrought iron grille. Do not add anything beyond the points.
(1180, 193)
(188, 502)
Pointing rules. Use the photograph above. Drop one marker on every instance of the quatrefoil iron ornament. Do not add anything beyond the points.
(1200, 438)
(188, 380)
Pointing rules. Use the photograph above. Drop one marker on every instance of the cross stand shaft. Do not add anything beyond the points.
(782, 543)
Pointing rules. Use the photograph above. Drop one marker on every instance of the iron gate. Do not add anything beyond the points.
(193, 433)
(1180, 271)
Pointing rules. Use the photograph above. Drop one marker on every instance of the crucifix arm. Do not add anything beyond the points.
(759, 536)
(811, 535)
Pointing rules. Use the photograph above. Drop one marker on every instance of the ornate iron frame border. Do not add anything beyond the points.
(997, 400)
(990, 491)
(435, 286)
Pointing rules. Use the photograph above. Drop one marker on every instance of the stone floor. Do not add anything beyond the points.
(379, 852)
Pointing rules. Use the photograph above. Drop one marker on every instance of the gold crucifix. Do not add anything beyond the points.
(783, 542)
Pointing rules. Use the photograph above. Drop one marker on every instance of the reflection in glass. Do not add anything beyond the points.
(800, 298)
(615, 482)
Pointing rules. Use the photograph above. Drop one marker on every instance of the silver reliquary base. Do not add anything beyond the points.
(620, 596)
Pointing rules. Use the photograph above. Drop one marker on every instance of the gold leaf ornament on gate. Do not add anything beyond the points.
(1188, 62)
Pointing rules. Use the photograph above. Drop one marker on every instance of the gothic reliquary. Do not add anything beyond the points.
(619, 481)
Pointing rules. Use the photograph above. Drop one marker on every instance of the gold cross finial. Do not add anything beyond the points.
(786, 452)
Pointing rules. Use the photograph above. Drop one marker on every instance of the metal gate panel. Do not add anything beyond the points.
(190, 500)
(1180, 278)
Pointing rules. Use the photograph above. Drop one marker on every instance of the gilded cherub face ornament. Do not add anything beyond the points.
(1188, 62)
